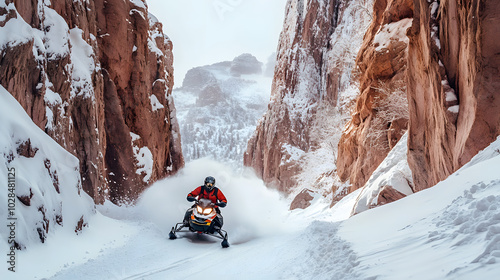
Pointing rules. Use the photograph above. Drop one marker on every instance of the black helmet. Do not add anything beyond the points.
(209, 183)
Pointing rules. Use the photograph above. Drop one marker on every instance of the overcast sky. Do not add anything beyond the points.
(208, 31)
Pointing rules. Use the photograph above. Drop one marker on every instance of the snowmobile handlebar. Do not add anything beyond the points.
(206, 203)
(221, 204)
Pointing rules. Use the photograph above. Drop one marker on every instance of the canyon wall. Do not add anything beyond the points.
(448, 70)
(97, 77)
(295, 144)
(453, 85)
(380, 116)
(429, 67)
(284, 132)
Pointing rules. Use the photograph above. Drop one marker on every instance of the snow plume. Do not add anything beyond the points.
(252, 210)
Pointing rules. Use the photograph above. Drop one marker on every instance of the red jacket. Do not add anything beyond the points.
(214, 195)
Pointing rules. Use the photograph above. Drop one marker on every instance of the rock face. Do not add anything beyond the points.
(388, 194)
(284, 130)
(429, 67)
(302, 200)
(314, 63)
(97, 77)
(453, 85)
(380, 116)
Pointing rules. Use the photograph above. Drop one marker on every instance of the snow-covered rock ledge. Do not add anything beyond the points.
(391, 180)
(41, 187)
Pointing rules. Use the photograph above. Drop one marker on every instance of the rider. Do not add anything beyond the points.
(207, 191)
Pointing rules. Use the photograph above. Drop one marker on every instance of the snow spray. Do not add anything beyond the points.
(253, 210)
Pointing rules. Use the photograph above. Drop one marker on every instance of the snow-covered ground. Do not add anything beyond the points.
(450, 231)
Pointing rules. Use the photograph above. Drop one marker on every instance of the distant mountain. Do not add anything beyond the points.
(218, 107)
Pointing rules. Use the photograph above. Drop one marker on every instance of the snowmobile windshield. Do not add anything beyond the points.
(205, 203)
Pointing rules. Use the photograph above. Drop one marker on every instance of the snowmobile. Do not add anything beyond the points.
(203, 220)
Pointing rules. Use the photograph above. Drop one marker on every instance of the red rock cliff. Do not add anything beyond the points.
(453, 85)
(97, 77)
(284, 132)
(380, 115)
(294, 145)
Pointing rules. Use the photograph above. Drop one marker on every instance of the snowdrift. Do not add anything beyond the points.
(449, 231)
(40, 181)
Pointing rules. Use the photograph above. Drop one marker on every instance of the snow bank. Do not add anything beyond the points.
(450, 231)
(63, 249)
(47, 180)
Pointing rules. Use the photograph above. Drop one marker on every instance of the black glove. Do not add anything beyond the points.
(221, 204)
(191, 199)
